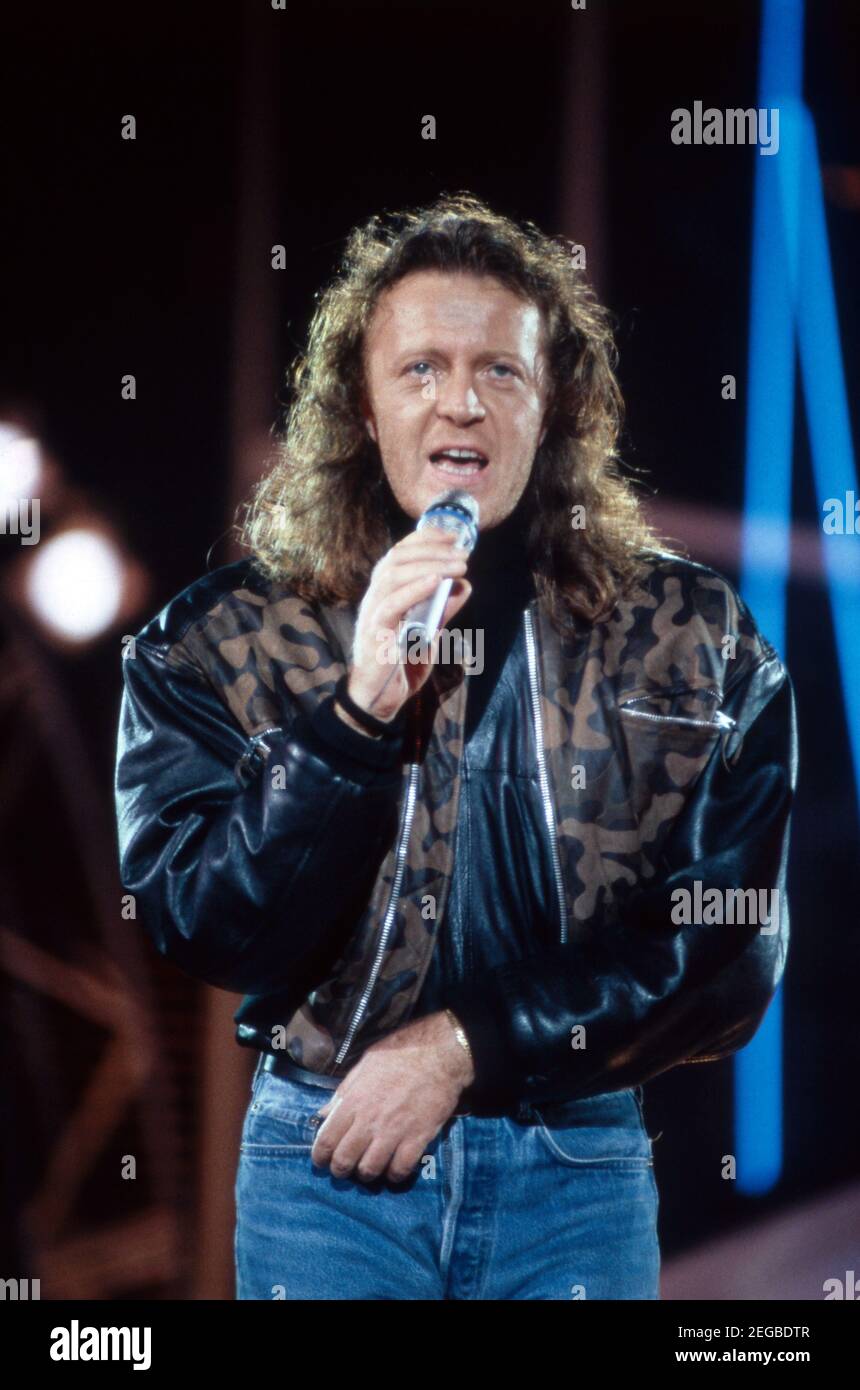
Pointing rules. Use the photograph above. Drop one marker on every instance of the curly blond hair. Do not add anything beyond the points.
(318, 518)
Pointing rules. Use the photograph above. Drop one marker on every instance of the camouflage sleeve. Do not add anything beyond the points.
(233, 874)
(687, 970)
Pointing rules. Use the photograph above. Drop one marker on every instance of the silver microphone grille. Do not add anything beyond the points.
(461, 500)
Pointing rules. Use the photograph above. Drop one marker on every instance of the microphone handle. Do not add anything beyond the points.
(424, 618)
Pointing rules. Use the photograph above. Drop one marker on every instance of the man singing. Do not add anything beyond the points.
(472, 906)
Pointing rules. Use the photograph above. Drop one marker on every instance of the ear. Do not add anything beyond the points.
(367, 416)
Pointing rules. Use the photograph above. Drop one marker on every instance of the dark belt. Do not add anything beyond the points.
(276, 1062)
(285, 1066)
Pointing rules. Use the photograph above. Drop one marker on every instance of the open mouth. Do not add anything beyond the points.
(459, 463)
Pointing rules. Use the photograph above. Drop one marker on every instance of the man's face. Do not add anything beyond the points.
(455, 361)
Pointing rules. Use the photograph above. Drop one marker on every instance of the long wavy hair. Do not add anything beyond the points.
(319, 520)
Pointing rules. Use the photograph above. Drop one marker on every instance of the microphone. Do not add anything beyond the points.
(456, 511)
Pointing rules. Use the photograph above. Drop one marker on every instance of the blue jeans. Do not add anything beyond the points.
(557, 1203)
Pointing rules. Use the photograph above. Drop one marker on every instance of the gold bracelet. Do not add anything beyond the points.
(461, 1036)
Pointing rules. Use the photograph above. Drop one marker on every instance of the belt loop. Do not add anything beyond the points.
(257, 1069)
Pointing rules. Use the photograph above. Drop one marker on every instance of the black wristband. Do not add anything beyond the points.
(369, 722)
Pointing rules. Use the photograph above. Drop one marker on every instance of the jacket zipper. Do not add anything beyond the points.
(256, 744)
(388, 920)
(543, 777)
(257, 739)
(719, 721)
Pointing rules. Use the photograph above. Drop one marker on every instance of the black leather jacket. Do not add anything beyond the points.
(275, 852)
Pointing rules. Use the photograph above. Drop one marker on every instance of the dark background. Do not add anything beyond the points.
(257, 127)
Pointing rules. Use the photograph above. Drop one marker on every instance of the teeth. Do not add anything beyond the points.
(462, 455)
(458, 470)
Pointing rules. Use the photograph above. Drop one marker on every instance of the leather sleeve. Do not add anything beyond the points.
(243, 885)
(650, 992)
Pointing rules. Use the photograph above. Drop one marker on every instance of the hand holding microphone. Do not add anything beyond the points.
(415, 589)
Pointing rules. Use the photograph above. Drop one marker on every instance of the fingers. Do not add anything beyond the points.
(374, 1161)
(395, 605)
(347, 1147)
(412, 567)
(408, 573)
(405, 1160)
(358, 1155)
(416, 576)
(423, 545)
(333, 1142)
(354, 1152)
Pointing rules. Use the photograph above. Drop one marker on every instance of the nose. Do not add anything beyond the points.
(457, 399)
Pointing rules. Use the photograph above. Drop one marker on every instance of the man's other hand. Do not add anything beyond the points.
(394, 1101)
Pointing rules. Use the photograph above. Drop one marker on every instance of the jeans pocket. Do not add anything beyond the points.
(281, 1118)
(639, 1097)
(597, 1132)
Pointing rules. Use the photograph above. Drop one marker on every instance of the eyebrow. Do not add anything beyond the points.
(487, 355)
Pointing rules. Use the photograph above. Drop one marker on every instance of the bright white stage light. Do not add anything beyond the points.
(75, 583)
(20, 466)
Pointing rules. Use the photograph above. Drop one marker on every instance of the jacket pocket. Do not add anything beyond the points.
(679, 710)
(665, 738)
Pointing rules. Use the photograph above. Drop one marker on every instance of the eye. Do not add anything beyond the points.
(502, 366)
(417, 365)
